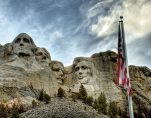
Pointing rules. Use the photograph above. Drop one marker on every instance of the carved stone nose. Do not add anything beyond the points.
(21, 44)
(61, 73)
(80, 71)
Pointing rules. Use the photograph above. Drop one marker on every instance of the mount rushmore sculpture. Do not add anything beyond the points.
(23, 64)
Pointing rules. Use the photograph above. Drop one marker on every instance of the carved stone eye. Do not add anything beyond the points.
(39, 54)
(26, 40)
(56, 69)
(77, 68)
(83, 67)
(18, 40)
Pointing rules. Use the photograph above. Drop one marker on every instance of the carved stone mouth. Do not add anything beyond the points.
(60, 81)
(80, 77)
(59, 77)
(22, 54)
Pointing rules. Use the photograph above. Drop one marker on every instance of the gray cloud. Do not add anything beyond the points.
(71, 28)
(139, 51)
(104, 31)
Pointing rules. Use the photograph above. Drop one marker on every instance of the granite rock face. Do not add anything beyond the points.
(141, 85)
(96, 74)
(102, 67)
(140, 81)
(23, 64)
(25, 69)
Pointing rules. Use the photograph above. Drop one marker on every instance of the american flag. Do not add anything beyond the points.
(123, 79)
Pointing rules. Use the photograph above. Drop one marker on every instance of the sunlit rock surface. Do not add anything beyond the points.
(25, 69)
(23, 64)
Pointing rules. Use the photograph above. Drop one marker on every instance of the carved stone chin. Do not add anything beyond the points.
(84, 80)
(23, 44)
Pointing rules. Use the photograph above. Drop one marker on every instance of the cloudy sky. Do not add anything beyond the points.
(72, 28)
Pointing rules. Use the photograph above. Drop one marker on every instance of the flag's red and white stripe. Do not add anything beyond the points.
(122, 73)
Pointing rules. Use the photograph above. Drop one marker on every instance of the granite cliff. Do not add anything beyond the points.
(25, 69)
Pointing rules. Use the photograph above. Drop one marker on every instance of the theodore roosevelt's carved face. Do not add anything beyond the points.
(58, 70)
(22, 44)
(82, 70)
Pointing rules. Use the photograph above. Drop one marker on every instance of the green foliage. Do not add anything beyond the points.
(100, 104)
(34, 103)
(21, 108)
(74, 97)
(88, 100)
(120, 112)
(123, 113)
(31, 86)
(83, 96)
(95, 104)
(85, 108)
(61, 93)
(82, 92)
(47, 98)
(15, 111)
(4, 110)
(11, 112)
(113, 110)
(43, 96)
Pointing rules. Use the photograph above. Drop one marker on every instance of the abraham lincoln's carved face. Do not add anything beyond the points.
(82, 70)
(23, 44)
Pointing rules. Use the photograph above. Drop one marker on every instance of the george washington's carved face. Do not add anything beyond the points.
(23, 44)
(82, 70)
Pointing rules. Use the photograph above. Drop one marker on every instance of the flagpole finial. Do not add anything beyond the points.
(121, 17)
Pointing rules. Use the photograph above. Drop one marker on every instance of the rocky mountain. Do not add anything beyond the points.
(140, 81)
(23, 65)
(26, 69)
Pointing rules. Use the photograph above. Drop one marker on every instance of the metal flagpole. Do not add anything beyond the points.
(130, 103)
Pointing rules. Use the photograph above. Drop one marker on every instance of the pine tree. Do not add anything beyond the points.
(41, 95)
(95, 104)
(15, 111)
(34, 103)
(47, 98)
(101, 104)
(113, 110)
(88, 100)
(3, 111)
(74, 97)
(82, 92)
(61, 93)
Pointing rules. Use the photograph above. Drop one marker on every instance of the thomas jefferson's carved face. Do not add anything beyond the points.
(41, 54)
(58, 71)
(82, 70)
(22, 44)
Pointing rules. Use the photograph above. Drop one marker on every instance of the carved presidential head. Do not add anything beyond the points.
(83, 69)
(23, 44)
(58, 69)
(42, 54)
